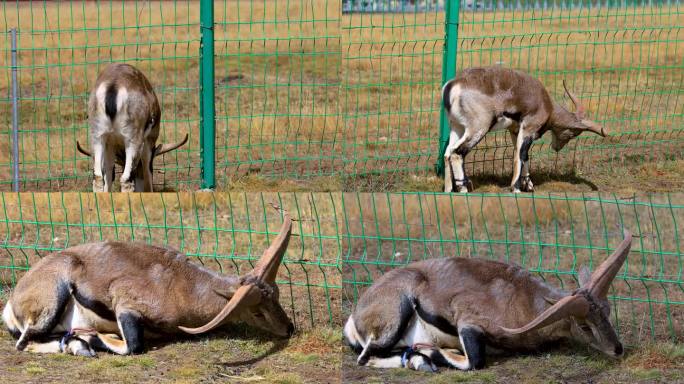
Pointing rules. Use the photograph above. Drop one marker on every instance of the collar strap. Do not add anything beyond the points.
(405, 356)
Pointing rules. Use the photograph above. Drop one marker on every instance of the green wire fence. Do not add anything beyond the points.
(551, 235)
(302, 89)
(225, 232)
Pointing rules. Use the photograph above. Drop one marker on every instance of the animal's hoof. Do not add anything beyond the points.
(127, 186)
(527, 185)
(21, 344)
(98, 184)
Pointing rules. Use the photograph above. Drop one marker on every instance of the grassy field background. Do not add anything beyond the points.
(310, 99)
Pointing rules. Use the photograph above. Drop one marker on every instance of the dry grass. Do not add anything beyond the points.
(336, 94)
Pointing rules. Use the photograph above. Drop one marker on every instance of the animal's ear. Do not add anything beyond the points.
(584, 276)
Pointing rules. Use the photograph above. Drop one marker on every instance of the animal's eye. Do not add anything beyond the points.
(585, 328)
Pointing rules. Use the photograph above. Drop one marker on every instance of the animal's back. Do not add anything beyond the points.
(122, 99)
(161, 283)
(513, 92)
(484, 292)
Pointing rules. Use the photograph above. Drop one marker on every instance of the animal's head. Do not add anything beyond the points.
(587, 308)
(256, 300)
(566, 125)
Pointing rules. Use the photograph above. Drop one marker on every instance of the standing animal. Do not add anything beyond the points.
(482, 100)
(450, 311)
(124, 116)
(114, 295)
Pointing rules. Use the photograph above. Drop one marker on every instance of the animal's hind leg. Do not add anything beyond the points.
(131, 328)
(133, 151)
(99, 184)
(45, 317)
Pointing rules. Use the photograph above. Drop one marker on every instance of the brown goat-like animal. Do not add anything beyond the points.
(113, 295)
(482, 100)
(447, 311)
(124, 116)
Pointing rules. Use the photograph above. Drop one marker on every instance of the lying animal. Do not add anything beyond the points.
(449, 311)
(113, 296)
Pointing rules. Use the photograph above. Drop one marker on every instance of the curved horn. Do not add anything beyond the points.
(579, 108)
(267, 267)
(568, 306)
(605, 273)
(265, 271)
(82, 150)
(163, 148)
(246, 294)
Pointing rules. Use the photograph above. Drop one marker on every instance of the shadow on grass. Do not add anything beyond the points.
(231, 332)
(539, 179)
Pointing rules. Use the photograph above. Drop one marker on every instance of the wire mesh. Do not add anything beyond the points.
(551, 235)
(224, 232)
(277, 65)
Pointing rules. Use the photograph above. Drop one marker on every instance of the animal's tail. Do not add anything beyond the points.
(110, 101)
(446, 92)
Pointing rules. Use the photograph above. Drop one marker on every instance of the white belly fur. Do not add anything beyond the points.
(420, 331)
(77, 316)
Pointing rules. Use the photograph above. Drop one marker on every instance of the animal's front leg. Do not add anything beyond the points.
(65, 344)
(454, 173)
(409, 359)
(473, 343)
(131, 328)
(521, 160)
(143, 179)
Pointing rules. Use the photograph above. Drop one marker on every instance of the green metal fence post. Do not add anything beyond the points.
(448, 71)
(207, 110)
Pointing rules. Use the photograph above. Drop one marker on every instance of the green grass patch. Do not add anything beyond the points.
(108, 362)
(34, 369)
(645, 374)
